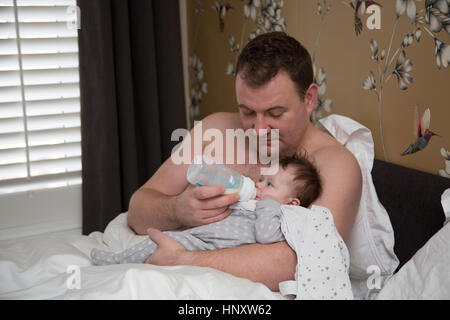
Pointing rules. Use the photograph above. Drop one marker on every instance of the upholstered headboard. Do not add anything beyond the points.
(413, 201)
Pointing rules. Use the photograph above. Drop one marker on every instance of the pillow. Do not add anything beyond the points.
(371, 242)
(445, 201)
(425, 276)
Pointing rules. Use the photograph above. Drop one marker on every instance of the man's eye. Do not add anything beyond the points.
(278, 115)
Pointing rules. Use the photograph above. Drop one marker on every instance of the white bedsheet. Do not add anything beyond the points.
(39, 268)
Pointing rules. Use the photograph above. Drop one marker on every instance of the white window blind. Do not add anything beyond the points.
(39, 96)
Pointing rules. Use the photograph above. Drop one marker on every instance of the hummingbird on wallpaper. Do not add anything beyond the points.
(222, 11)
(422, 132)
(359, 7)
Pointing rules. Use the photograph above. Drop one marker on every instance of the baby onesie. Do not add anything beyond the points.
(249, 222)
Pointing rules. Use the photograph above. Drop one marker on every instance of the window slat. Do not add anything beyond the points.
(40, 182)
(10, 125)
(9, 62)
(10, 156)
(6, 13)
(9, 78)
(43, 45)
(67, 120)
(10, 94)
(54, 136)
(11, 110)
(39, 153)
(45, 2)
(12, 140)
(50, 61)
(8, 46)
(13, 171)
(47, 167)
(56, 45)
(53, 91)
(52, 76)
(36, 77)
(52, 106)
(57, 151)
(37, 30)
(44, 13)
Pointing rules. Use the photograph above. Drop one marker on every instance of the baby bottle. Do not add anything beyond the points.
(205, 172)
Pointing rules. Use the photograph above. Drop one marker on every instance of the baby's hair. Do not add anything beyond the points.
(309, 184)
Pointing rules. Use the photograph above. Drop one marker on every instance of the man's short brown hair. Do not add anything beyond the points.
(264, 56)
(308, 182)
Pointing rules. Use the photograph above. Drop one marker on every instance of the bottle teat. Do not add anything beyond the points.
(248, 190)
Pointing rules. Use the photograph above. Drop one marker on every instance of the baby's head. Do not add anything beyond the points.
(297, 182)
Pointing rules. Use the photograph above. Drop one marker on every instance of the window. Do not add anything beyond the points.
(40, 140)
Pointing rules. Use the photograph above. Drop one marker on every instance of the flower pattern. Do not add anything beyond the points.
(369, 82)
(442, 52)
(320, 78)
(402, 67)
(432, 19)
(406, 5)
(266, 16)
(200, 87)
(391, 60)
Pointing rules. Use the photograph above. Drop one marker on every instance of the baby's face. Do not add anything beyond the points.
(279, 187)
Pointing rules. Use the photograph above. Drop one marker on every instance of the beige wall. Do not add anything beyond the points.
(345, 58)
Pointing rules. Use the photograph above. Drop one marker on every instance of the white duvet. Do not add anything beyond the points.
(50, 267)
(43, 268)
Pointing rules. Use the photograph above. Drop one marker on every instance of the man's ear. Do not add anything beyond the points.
(294, 201)
(311, 97)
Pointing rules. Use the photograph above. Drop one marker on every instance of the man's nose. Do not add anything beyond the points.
(261, 126)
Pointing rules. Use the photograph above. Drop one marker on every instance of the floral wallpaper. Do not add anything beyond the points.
(382, 63)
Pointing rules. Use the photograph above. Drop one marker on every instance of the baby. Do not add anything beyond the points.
(296, 183)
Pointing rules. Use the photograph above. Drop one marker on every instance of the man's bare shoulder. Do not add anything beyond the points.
(328, 152)
(336, 157)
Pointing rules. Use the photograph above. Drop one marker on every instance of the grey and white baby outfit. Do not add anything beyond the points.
(249, 222)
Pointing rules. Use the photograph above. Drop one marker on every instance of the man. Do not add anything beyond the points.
(274, 90)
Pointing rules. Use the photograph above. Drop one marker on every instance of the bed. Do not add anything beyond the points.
(58, 266)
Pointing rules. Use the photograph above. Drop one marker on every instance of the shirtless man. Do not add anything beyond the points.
(274, 90)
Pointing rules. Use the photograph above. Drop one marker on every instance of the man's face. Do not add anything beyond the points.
(275, 105)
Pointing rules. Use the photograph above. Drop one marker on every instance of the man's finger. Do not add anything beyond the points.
(220, 202)
(218, 217)
(202, 193)
(157, 236)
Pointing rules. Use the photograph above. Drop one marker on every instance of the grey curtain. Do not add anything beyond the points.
(132, 98)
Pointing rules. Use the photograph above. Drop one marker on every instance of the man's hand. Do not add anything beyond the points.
(168, 253)
(197, 206)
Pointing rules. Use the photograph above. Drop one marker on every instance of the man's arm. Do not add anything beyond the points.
(341, 185)
(271, 264)
(168, 202)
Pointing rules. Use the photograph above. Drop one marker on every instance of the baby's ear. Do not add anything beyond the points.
(294, 201)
